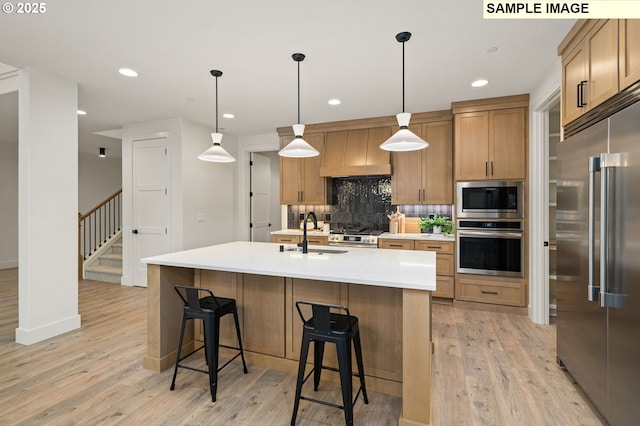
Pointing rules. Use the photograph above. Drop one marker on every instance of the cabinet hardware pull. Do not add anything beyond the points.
(492, 168)
(419, 199)
(495, 293)
(424, 197)
(486, 168)
(434, 247)
(581, 101)
(395, 245)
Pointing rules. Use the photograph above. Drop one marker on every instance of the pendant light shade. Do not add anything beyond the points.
(216, 153)
(404, 139)
(298, 148)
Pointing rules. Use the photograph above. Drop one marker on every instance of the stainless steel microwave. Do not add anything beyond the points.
(502, 199)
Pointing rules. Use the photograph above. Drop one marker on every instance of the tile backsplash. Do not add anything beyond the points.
(363, 201)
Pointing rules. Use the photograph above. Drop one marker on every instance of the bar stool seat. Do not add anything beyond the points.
(342, 329)
(209, 309)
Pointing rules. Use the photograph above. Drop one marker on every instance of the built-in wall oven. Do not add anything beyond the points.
(502, 199)
(490, 247)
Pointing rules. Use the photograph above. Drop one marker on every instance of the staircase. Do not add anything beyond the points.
(105, 264)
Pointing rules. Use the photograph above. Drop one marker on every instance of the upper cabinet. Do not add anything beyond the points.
(590, 69)
(425, 176)
(491, 138)
(600, 59)
(629, 30)
(300, 180)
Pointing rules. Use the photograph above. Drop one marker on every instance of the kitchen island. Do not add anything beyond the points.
(388, 290)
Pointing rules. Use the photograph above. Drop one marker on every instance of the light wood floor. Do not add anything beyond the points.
(489, 369)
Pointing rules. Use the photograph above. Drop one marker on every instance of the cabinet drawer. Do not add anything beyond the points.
(286, 239)
(318, 241)
(444, 287)
(501, 293)
(396, 244)
(444, 264)
(445, 247)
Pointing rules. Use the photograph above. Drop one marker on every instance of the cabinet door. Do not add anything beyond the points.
(437, 174)
(507, 136)
(290, 177)
(574, 71)
(396, 244)
(263, 314)
(471, 145)
(603, 62)
(406, 180)
(285, 239)
(629, 56)
(314, 187)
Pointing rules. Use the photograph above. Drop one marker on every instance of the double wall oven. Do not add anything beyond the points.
(490, 231)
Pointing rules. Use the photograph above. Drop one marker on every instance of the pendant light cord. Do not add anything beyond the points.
(217, 104)
(403, 77)
(298, 92)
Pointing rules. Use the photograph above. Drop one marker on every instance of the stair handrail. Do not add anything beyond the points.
(96, 226)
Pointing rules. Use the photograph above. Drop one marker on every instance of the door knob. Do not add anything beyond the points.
(135, 231)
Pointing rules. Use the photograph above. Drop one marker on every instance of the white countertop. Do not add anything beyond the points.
(388, 268)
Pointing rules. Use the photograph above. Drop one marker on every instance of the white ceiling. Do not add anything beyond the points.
(351, 53)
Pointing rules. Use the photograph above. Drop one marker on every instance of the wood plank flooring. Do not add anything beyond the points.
(488, 369)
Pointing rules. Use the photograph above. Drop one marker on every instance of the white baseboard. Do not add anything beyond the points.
(35, 335)
(8, 264)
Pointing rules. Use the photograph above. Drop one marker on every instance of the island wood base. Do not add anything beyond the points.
(395, 326)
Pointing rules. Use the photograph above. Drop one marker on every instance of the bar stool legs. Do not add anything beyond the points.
(209, 309)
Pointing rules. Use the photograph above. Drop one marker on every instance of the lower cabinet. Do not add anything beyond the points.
(445, 260)
(315, 240)
(489, 289)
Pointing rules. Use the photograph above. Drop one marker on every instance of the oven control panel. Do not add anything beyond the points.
(354, 239)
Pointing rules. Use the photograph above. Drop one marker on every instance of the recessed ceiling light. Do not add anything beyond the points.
(334, 102)
(227, 115)
(480, 83)
(492, 49)
(81, 112)
(128, 72)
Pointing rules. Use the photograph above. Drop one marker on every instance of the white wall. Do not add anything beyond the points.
(98, 178)
(48, 206)
(9, 204)
(209, 190)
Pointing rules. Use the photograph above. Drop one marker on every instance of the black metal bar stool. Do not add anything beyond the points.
(209, 309)
(326, 326)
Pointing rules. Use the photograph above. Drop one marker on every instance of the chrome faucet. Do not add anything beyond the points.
(304, 243)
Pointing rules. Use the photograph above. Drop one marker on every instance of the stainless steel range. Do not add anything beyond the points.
(356, 237)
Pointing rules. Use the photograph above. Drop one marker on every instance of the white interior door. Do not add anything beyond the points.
(261, 197)
(151, 207)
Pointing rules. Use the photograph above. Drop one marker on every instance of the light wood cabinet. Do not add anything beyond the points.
(263, 314)
(285, 239)
(445, 260)
(594, 65)
(494, 290)
(629, 54)
(300, 180)
(425, 176)
(491, 144)
(445, 265)
(316, 240)
(399, 244)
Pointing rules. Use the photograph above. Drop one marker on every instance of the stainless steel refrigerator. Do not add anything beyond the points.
(598, 243)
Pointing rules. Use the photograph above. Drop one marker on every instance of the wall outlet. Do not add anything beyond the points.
(201, 217)
(327, 217)
(301, 216)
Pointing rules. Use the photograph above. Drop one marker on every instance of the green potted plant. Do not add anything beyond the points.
(436, 223)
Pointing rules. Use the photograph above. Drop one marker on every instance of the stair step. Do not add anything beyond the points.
(103, 273)
(113, 260)
(116, 248)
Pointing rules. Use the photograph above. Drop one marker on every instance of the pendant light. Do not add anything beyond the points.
(216, 153)
(298, 148)
(404, 139)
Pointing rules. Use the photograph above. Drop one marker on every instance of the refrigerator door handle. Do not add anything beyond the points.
(593, 290)
(608, 164)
